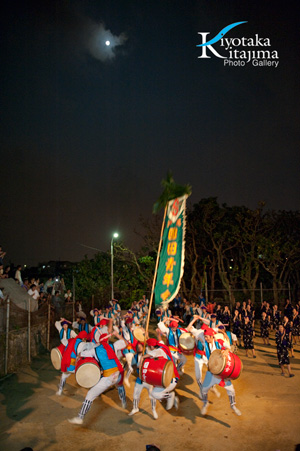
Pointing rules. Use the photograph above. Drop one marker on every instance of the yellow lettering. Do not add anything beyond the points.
(170, 263)
(168, 279)
(172, 235)
(172, 248)
(165, 295)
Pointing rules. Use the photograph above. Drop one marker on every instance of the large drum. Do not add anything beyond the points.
(187, 343)
(226, 367)
(87, 372)
(56, 356)
(157, 371)
(139, 334)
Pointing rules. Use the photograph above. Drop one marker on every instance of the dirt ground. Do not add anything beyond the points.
(32, 415)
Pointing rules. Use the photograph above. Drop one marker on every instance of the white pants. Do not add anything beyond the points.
(179, 358)
(211, 380)
(101, 386)
(129, 357)
(98, 389)
(163, 393)
(63, 379)
(198, 369)
(137, 394)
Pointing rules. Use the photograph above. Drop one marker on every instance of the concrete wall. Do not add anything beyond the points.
(18, 346)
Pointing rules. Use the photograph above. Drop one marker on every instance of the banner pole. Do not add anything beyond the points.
(154, 276)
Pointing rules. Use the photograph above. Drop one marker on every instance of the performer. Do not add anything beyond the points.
(200, 354)
(64, 331)
(296, 326)
(96, 314)
(74, 347)
(219, 313)
(116, 311)
(264, 328)
(226, 317)
(282, 343)
(237, 326)
(210, 345)
(108, 312)
(173, 333)
(104, 326)
(127, 328)
(140, 385)
(211, 321)
(155, 350)
(248, 336)
(230, 337)
(287, 324)
(275, 318)
(82, 325)
(136, 315)
(112, 375)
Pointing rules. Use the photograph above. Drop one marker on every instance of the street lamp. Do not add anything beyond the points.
(115, 235)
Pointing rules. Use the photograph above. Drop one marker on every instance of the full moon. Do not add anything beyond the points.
(107, 43)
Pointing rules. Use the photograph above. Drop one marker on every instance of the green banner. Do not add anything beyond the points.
(171, 259)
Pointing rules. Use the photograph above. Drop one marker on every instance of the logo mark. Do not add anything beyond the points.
(220, 35)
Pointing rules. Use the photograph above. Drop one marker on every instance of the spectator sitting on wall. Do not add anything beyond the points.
(42, 300)
(34, 292)
(7, 271)
(26, 285)
(18, 276)
(68, 296)
(48, 285)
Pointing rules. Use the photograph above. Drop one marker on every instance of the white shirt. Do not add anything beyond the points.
(34, 293)
(157, 352)
(64, 340)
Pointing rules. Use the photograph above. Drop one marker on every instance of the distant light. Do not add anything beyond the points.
(116, 235)
(44, 266)
(107, 43)
(25, 266)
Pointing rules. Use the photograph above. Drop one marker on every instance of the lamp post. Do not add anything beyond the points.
(115, 235)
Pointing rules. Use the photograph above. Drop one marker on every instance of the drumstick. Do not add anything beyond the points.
(175, 318)
(105, 338)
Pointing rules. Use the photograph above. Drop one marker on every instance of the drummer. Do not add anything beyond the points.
(210, 379)
(109, 312)
(64, 331)
(173, 333)
(211, 321)
(229, 336)
(143, 310)
(200, 357)
(156, 349)
(202, 311)
(95, 313)
(136, 315)
(127, 327)
(104, 326)
(82, 325)
(140, 385)
(105, 354)
(116, 311)
(74, 347)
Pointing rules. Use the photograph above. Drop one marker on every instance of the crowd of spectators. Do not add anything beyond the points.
(52, 291)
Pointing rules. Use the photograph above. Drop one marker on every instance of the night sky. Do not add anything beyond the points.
(89, 131)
